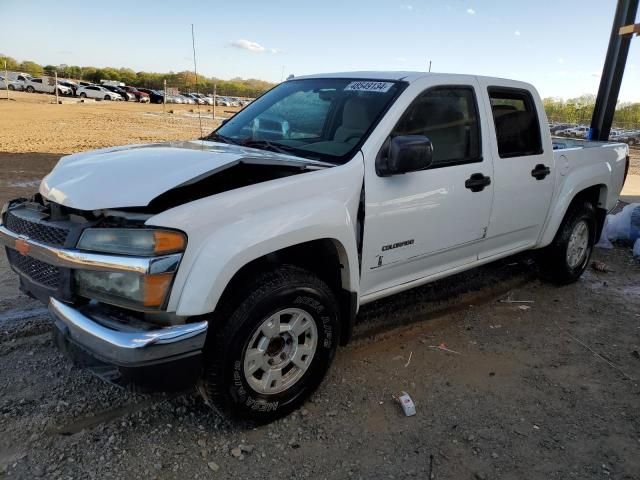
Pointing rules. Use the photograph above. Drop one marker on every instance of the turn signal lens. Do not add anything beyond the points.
(166, 241)
(156, 288)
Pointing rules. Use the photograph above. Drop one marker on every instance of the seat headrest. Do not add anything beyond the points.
(355, 114)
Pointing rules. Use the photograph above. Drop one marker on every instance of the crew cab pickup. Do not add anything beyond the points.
(238, 262)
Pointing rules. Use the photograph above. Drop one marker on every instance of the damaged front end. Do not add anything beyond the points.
(106, 277)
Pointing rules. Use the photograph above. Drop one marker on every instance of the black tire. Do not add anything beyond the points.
(555, 265)
(11, 87)
(107, 97)
(83, 95)
(30, 89)
(224, 383)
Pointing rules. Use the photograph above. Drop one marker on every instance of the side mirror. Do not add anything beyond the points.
(405, 153)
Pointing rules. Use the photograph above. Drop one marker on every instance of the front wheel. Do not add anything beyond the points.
(11, 87)
(83, 95)
(567, 257)
(30, 89)
(107, 97)
(274, 346)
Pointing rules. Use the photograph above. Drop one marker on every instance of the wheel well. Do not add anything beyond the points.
(596, 195)
(321, 257)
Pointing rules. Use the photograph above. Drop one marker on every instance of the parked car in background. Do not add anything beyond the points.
(141, 97)
(68, 83)
(47, 85)
(223, 102)
(12, 84)
(98, 92)
(19, 80)
(126, 96)
(154, 95)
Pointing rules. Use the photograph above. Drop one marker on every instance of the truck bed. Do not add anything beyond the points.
(563, 143)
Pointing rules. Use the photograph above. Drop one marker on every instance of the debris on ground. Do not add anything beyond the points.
(509, 299)
(624, 225)
(408, 407)
(444, 348)
(408, 361)
(524, 307)
(599, 266)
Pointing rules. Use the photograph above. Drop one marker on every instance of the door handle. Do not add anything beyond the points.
(540, 171)
(476, 182)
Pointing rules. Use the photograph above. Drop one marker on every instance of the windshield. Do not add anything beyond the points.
(321, 118)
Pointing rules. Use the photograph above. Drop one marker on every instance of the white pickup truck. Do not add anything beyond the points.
(238, 262)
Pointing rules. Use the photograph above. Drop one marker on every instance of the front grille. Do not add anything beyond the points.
(38, 231)
(39, 272)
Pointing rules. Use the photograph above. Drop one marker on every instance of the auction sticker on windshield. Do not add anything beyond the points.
(381, 87)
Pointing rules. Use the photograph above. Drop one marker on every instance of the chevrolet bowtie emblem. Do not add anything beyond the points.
(22, 246)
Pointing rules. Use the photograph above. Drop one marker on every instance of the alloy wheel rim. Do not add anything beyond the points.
(578, 244)
(280, 351)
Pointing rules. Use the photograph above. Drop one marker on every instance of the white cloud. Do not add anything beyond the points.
(406, 7)
(560, 60)
(252, 46)
(471, 11)
(517, 33)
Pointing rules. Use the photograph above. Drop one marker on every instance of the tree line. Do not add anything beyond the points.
(184, 81)
(580, 109)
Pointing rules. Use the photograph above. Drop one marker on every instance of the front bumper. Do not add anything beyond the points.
(167, 358)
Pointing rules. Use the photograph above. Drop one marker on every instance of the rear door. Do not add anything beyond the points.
(422, 223)
(523, 167)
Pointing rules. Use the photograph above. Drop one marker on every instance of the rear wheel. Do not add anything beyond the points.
(568, 255)
(275, 347)
(107, 97)
(83, 95)
(11, 87)
(30, 89)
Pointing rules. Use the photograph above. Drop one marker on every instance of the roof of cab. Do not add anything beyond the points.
(369, 75)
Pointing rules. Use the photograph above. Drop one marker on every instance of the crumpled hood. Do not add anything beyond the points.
(133, 175)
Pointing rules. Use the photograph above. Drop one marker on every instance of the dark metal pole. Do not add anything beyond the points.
(613, 71)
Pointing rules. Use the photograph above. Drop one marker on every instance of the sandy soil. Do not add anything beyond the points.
(32, 123)
(546, 392)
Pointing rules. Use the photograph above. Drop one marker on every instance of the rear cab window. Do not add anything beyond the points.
(516, 122)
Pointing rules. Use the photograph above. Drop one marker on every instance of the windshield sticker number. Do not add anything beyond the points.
(381, 87)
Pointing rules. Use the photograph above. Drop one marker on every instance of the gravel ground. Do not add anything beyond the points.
(546, 392)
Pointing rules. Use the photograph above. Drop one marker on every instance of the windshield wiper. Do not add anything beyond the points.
(267, 145)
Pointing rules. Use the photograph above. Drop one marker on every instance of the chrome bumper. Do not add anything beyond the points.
(77, 259)
(128, 348)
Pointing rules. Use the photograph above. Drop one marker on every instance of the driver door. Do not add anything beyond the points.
(422, 223)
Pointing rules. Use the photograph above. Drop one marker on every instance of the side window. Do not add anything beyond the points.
(516, 122)
(448, 116)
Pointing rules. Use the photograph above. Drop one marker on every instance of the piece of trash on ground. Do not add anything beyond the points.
(444, 348)
(509, 299)
(624, 225)
(599, 266)
(523, 307)
(408, 407)
(408, 361)
(494, 327)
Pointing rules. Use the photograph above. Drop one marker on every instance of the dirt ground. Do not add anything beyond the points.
(547, 389)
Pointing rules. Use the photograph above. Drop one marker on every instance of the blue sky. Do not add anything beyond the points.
(559, 46)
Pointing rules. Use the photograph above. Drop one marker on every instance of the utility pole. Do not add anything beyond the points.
(6, 78)
(55, 85)
(429, 65)
(215, 100)
(619, 42)
(164, 97)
